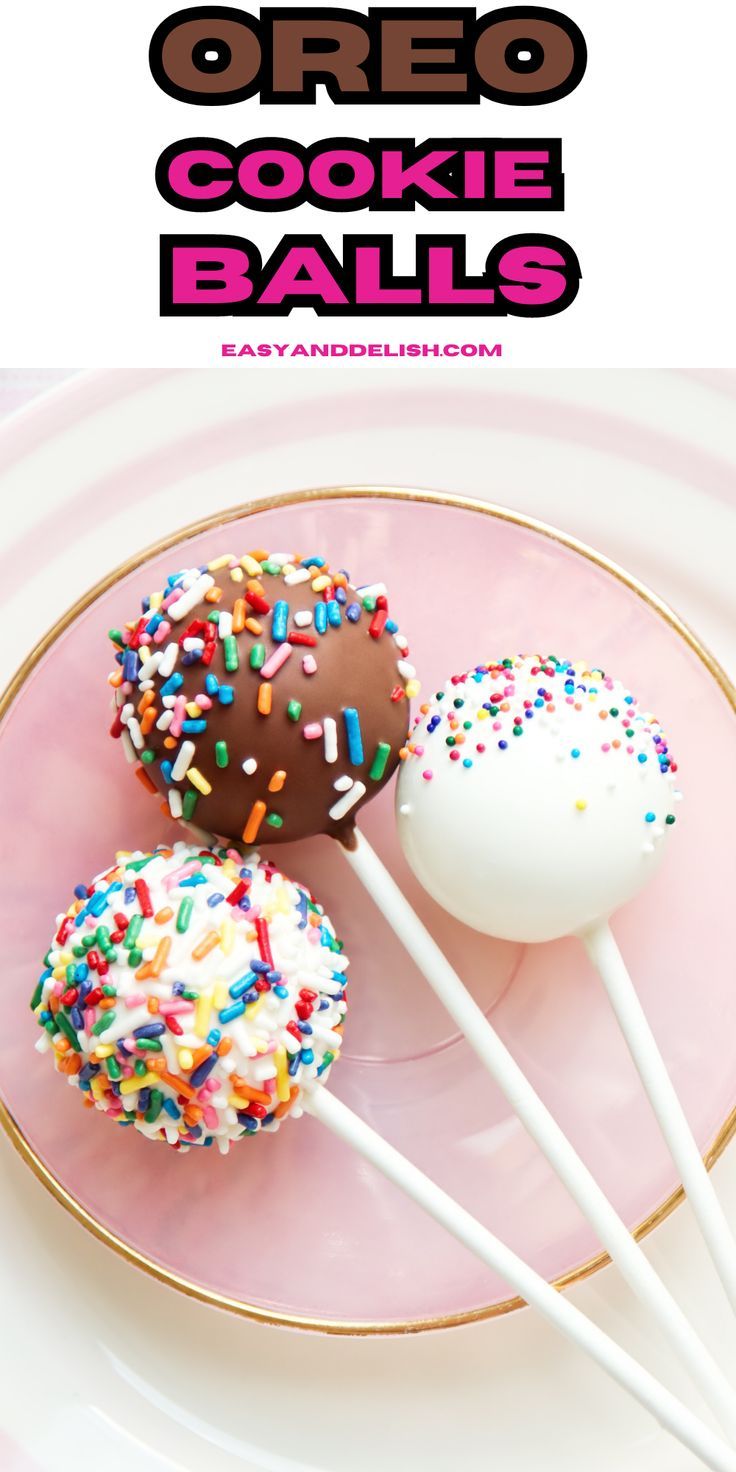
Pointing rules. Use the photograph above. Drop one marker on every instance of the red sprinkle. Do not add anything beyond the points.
(239, 891)
(264, 943)
(174, 1026)
(306, 639)
(378, 623)
(144, 898)
(66, 925)
(256, 602)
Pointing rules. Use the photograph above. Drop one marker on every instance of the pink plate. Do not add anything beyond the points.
(295, 1227)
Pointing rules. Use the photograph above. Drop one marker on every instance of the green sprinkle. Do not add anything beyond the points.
(669, 820)
(213, 617)
(155, 1105)
(140, 1068)
(294, 710)
(148, 756)
(137, 864)
(184, 915)
(50, 1026)
(271, 567)
(221, 756)
(275, 820)
(230, 646)
(369, 604)
(109, 991)
(189, 995)
(258, 656)
(114, 1071)
(70, 970)
(37, 995)
(115, 635)
(378, 766)
(189, 803)
(103, 1022)
(134, 929)
(64, 1025)
(149, 1045)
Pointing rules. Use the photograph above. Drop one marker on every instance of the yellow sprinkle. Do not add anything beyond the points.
(287, 568)
(483, 714)
(282, 1074)
(220, 995)
(236, 574)
(198, 781)
(260, 1045)
(103, 1050)
(193, 710)
(227, 936)
(581, 804)
(255, 1007)
(97, 1085)
(230, 869)
(219, 563)
(185, 1059)
(131, 1085)
(412, 688)
(320, 583)
(252, 567)
(155, 601)
(202, 1014)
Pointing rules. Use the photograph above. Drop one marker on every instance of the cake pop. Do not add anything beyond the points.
(553, 784)
(264, 696)
(535, 799)
(193, 995)
(200, 998)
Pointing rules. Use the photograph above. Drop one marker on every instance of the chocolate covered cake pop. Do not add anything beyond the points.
(535, 797)
(264, 697)
(193, 995)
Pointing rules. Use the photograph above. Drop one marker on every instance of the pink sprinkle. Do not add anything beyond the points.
(419, 751)
(313, 731)
(569, 699)
(180, 710)
(127, 1071)
(209, 1115)
(171, 1009)
(57, 988)
(497, 725)
(181, 873)
(629, 749)
(428, 775)
(136, 999)
(606, 746)
(204, 702)
(162, 632)
(279, 657)
(309, 664)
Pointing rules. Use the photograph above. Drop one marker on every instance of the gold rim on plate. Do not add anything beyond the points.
(240, 513)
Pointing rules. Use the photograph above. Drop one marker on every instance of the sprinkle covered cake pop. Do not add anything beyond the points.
(535, 797)
(264, 697)
(193, 995)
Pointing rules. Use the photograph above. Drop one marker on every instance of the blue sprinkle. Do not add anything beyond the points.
(539, 703)
(320, 617)
(88, 1072)
(251, 1125)
(81, 972)
(213, 1037)
(80, 891)
(226, 695)
(305, 1029)
(166, 770)
(177, 988)
(260, 967)
(649, 817)
(130, 664)
(243, 984)
(281, 991)
(341, 596)
(191, 881)
(194, 728)
(642, 756)
(211, 684)
(171, 1109)
(203, 1071)
(503, 745)
(150, 1030)
(467, 762)
(171, 685)
(228, 1014)
(293, 1065)
(307, 1055)
(215, 899)
(353, 733)
(194, 1132)
(280, 621)
(575, 751)
(391, 626)
(144, 1098)
(334, 617)
(353, 612)
(313, 562)
(192, 656)
(129, 895)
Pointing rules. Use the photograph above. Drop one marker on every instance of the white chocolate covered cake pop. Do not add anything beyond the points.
(534, 797)
(193, 995)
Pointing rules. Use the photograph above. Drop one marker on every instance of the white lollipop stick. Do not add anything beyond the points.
(544, 1130)
(670, 1412)
(609, 963)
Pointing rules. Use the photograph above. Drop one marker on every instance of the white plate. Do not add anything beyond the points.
(105, 1365)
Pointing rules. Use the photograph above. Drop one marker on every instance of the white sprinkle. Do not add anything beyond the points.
(183, 760)
(401, 643)
(250, 765)
(301, 575)
(191, 598)
(330, 730)
(168, 702)
(405, 669)
(224, 624)
(647, 848)
(344, 804)
(128, 747)
(164, 720)
(175, 802)
(145, 685)
(150, 665)
(343, 784)
(189, 645)
(134, 731)
(127, 711)
(372, 590)
(303, 617)
(405, 809)
(281, 558)
(168, 661)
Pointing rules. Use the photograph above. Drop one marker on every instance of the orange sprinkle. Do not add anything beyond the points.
(200, 1054)
(170, 742)
(340, 580)
(165, 809)
(224, 1046)
(259, 556)
(211, 940)
(264, 698)
(244, 1091)
(213, 595)
(156, 1065)
(238, 615)
(144, 778)
(615, 743)
(63, 1045)
(149, 718)
(147, 698)
(255, 818)
(193, 1113)
(153, 1005)
(254, 586)
(115, 680)
(162, 916)
(70, 1065)
(277, 781)
(282, 1109)
(107, 1003)
(154, 968)
(180, 1084)
(603, 715)
(253, 626)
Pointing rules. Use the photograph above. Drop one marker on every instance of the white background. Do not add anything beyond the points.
(646, 140)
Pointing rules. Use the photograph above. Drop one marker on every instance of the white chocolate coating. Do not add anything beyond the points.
(194, 995)
(535, 797)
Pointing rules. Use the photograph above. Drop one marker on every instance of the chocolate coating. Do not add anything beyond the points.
(357, 669)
